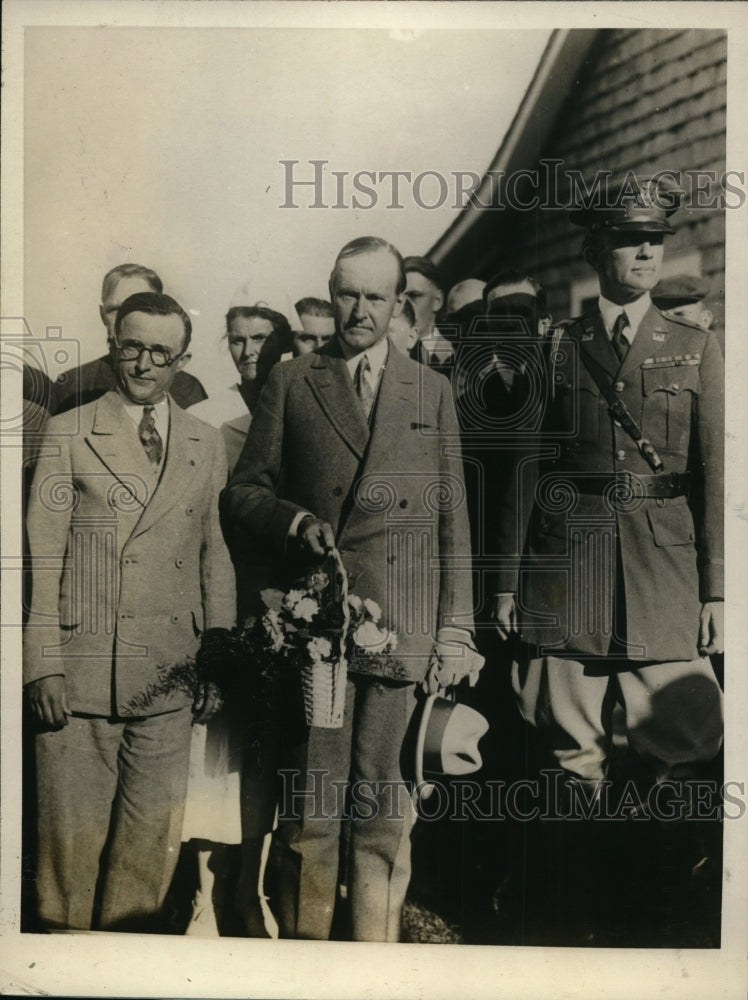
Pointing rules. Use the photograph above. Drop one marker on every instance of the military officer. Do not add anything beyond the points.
(612, 580)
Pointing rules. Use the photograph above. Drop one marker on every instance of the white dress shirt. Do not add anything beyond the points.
(634, 314)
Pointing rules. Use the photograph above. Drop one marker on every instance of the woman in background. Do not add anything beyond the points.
(231, 793)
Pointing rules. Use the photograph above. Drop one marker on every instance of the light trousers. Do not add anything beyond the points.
(110, 800)
(674, 710)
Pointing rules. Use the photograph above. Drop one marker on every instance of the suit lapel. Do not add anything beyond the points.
(114, 440)
(185, 452)
(332, 387)
(649, 338)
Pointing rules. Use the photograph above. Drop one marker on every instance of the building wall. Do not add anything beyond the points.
(647, 100)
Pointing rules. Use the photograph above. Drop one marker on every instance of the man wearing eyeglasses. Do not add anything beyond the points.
(128, 568)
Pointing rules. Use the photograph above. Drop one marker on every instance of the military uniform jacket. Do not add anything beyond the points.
(127, 571)
(393, 492)
(601, 571)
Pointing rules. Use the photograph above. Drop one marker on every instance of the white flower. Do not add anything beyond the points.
(373, 609)
(356, 603)
(318, 581)
(271, 621)
(319, 649)
(370, 638)
(292, 598)
(307, 608)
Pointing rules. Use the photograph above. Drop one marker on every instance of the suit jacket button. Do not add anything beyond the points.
(403, 504)
(338, 491)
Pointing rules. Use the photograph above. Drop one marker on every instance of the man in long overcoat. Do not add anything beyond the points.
(357, 446)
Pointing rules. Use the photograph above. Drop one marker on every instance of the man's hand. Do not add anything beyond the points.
(504, 613)
(49, 701)
(316, 536)
(451, 660)
(712, 628)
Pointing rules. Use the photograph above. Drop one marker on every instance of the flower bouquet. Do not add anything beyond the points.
(314, 633)
(320, 630)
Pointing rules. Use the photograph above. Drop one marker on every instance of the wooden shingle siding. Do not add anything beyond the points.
(645, 100)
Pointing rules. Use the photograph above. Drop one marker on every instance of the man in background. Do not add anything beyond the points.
(425, 289)
(682, 297)
(317, 325)
(91, 380)
(402, 330)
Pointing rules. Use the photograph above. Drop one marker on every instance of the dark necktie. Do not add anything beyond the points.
(363, 385)
(150, 437)
(620, 343)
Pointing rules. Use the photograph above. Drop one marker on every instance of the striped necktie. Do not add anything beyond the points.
(363, 386)
(150, 437)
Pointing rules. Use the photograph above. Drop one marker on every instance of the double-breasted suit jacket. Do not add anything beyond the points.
(393, 493)
(127, 571)
(638, 566)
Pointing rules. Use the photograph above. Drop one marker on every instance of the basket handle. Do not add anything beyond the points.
(340, 569)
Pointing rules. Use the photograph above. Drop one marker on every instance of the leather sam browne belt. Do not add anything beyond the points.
(668, 486)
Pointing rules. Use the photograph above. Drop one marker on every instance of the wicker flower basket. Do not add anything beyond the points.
(324, 693)
(324, 684)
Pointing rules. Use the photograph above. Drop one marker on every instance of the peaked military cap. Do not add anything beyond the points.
(634, 204)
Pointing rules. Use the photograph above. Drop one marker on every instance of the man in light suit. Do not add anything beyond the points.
(128, 568)
(356, 446)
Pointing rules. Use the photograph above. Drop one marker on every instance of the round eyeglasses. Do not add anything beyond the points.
(131, 350)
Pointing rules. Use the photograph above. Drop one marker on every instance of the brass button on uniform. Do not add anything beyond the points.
(338, 491)
(619, 386)
(620, 454)
(660, 501)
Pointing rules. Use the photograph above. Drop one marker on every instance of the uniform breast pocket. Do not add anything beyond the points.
(668, 395)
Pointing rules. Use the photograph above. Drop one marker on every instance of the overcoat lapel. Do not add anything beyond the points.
(396, 407)
(332, 387)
